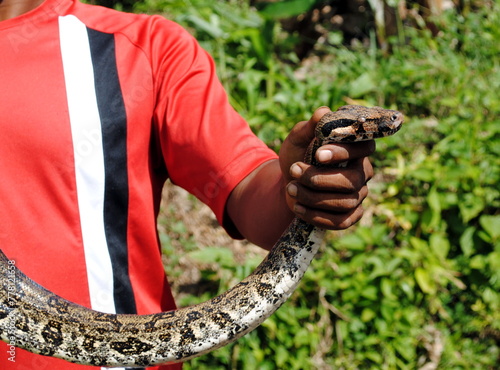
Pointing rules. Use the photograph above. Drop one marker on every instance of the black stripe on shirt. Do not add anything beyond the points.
(114, 140)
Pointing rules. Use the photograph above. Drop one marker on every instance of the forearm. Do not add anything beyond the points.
(257, 206)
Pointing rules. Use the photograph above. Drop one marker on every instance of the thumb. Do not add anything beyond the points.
(295, 145)
(303, 132)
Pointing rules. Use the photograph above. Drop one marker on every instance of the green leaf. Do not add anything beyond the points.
(433, 200)
(492, 297)
(212, 28)
(375, 357)
(407, 288)
(370, 292)
(352, 242)
(424, 174)
(439, 245)
(367, 314)
(492, 225)
(470, 207)
(362, 85)
(435, 205)
(494, 261)
(386, 286)
(477, 262)
(302, 337)
(467, 241)
(405, 347)
(425, 281)
(419, 244)
(286, 9)
(281, 356)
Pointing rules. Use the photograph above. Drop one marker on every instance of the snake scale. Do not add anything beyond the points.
(37, 320)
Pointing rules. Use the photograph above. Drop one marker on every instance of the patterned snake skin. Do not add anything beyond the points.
(35, 319)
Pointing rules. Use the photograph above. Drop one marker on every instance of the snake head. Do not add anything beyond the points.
(357, 123)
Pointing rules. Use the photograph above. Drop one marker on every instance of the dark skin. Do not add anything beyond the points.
(13, 8)
(265, 202)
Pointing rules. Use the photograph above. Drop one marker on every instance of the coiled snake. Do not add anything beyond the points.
(35, 319)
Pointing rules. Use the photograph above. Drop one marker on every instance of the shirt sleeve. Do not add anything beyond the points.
(208, 148)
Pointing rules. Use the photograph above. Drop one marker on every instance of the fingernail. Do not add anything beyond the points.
(296, 171)
(298, 209)
(324, 155)
(292, 190)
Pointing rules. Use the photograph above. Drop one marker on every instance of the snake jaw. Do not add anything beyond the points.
(389, 127)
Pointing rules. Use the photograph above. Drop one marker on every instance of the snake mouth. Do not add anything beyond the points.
(385, 128)
(366, 131)
(388, 128)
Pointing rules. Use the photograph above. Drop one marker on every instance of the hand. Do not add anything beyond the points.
(326, 197)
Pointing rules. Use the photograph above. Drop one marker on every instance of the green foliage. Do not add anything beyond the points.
(419, 281)
(285, 8)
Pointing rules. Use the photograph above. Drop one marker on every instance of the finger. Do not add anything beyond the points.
(338, 153)
(303, 132)
(330, 202)
(331, 221)
(319, 113)
(344, 180)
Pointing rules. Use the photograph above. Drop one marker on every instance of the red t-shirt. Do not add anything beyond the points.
(97, 109)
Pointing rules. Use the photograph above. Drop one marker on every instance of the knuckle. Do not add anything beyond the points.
(344, 204)
(368, 169)
(351, 203)
(351, 219)
(316, 181)
(332, 221)
(363, 193)
(358, 180)
(331, 202)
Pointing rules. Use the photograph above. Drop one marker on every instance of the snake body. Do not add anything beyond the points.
(39, 321)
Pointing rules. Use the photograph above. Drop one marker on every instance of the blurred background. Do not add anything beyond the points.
(416, 284)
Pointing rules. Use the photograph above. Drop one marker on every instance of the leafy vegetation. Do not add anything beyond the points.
(417, 283)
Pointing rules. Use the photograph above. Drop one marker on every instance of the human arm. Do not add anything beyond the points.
(210, 151)
(263, 204)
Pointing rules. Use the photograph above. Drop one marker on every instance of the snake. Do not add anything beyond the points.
(35, 319)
